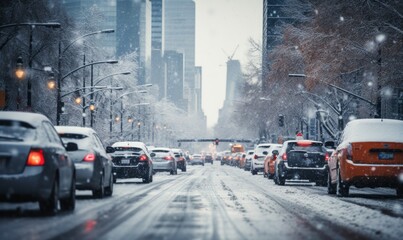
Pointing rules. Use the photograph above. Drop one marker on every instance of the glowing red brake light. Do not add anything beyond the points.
(304, 143)
(36, 158)
(167, 158)
(256, 156)
(327, 157)
(284, 156)
(143, 158)
(90, 157)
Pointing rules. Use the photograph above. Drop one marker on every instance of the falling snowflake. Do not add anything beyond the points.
(341, 18)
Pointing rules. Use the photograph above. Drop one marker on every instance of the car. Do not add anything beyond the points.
(34, 164)
(225, 159)
(369, 154)
(208, 158)
(248, 160)
(180, 159)
(93, 164)
(302, 159)
(270, 159)
(260, 152)
(164, 160)
(197, 159)
(131, 160)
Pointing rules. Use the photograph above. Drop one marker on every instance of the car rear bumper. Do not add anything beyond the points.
(137, 171)
(181, 164)
(27, 186)
(303, 172)
(85, 178)
(163, 166)
(196, 162)
(371, 175)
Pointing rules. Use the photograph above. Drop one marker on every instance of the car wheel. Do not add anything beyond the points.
(151, 178)
(69, 203)
(171, 172)
(100, 192)
(147, 179)
(253, 172)
(184, 169)
(50, 206)
(399, 190)
(331, 187)
(115, 179)
(109, 189)
(280, 179)
(342, 188)
(270, 176)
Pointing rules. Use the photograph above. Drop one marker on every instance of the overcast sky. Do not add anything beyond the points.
(222, 25)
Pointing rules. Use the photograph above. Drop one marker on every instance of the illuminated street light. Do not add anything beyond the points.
(51, 81)
(19, 71)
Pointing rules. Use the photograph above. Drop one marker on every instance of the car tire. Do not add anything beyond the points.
(171, 172)
(331, 187)
(280, 179)
(147, 178)
(100, 192)
(50, 206)
(342, 188)
(253, 171)
(69, 203)
(270, 176)
(109, 189)
(184, 169)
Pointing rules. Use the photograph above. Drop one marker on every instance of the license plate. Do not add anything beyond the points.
(125, 161)
(385, 155)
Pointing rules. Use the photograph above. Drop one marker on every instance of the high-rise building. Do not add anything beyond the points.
(174, 65)
(105, 13)
(133, 28)
(234, 80)
(157, 46)
(198, 90)
(179, 33)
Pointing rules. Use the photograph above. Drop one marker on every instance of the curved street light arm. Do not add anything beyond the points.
(83, 36)
(79, 89)
(81, 67)
(100, 79)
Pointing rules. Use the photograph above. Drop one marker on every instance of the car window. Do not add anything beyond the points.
(82, 140)
(314, 147)
(51, 132)
(16, 131)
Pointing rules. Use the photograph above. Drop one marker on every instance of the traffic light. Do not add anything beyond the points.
(60, 108)
(216, 141)
(281, 120)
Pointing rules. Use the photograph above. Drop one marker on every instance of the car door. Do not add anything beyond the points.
(60, 157)
(105, 159)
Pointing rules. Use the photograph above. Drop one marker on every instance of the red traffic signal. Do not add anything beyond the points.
(216, 141)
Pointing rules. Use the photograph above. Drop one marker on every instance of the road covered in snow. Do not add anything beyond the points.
(213, 202)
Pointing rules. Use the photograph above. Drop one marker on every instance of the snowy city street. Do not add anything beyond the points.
(213, 202)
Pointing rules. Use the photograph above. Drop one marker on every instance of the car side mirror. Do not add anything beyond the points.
(275, 152)
(152, 154)
(265, 153)
(110, 149)
(71, 147)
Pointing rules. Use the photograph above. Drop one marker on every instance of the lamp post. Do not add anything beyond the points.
(59, 65)
(71, 72)
(32, 26)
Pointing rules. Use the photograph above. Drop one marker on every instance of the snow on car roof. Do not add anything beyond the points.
(374, 130)
(129, 144)
(34, 119)
(74, 129)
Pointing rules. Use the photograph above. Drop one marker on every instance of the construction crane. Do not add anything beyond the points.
(233, 53)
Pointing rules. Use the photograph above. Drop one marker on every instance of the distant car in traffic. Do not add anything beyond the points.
(370, 154)
(164, 160)
(208, 158)
(34, 164)
(302, 159)
(260, 152)
(180, 159)
(131, 160)
(248, 160)
(197, 159)
(93, 164)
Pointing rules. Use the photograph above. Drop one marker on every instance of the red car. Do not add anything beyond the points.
(370, 154)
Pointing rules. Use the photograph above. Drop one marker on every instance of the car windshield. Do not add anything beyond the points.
(83, 141)
(16, 131)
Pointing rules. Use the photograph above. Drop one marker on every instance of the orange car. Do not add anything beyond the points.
(270, 160)
(370, 154)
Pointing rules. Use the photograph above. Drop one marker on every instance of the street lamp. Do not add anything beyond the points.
(61, 53)
(19, 69)
(68, 74)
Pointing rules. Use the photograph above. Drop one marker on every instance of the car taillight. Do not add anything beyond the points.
(36, 158)
(349, 152)
(90, 157)
(143, 158)
(166, 158)
(255, 157)
(284, 156)
(327, 157)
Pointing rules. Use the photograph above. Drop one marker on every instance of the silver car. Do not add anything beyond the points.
(93, 164)
(34, 164)
(197, 159)
(164, 160)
